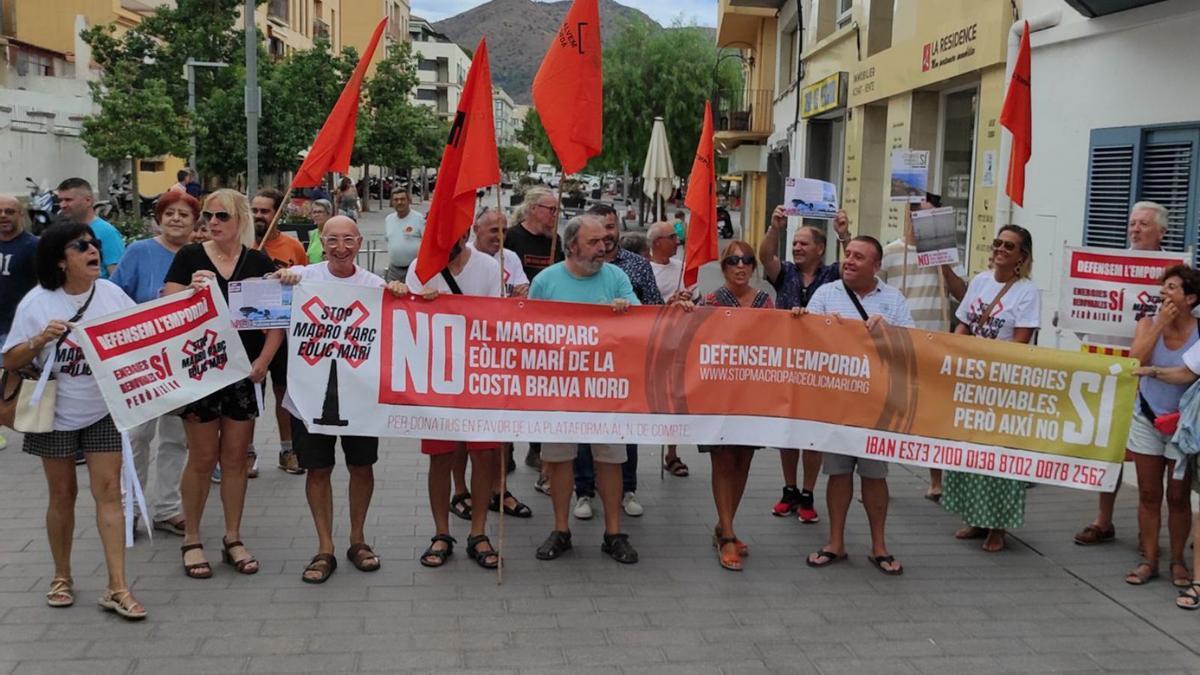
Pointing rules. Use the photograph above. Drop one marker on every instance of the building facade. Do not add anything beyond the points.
(442, 68)
(505, 115)
(359, 18)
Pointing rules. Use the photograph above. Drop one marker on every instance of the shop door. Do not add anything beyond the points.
(958, 160)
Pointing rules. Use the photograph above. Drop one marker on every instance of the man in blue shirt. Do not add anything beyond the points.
(76, 202)
(584, 277)
(18, 249)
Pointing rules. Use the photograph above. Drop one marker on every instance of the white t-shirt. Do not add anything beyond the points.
(320, 272)
(79, 403)
(514, 272)
(404, 236)
(480, 276)
(1021, 307)
(668, 276)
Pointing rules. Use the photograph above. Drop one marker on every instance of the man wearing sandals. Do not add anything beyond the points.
(880, 303)
(469, 272)
(584, 277)
(315, 452)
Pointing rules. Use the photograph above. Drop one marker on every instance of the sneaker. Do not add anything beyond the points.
(542, 485)
(583, 508)
(287, 462)
(805, 510)
(253, 471)
(787, 503)
(631, 505)
(216, 474)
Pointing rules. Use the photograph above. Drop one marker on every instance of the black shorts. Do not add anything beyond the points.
(278, 368)
(99, 436)
(235, 402)
(315, 451)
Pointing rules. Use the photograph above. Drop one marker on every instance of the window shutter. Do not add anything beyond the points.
(1167, 177)
(1111, 166)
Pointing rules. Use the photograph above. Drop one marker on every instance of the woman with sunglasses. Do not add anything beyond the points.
(731, 463)
(320, 211)
(1000, 304)
(220, 426)
(140, 274)
(70, 291)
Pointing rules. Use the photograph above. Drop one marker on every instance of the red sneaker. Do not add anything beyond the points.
(788, 503)
(805, 510)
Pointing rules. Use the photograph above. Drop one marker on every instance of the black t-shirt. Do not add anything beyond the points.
(532, 249)
(251, 264)
(16, 275)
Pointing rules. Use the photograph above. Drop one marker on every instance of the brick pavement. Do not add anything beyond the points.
(1044, 605)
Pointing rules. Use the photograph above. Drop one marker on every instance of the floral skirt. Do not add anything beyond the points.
(985, 501)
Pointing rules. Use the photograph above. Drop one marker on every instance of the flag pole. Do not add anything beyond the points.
(561, 210)
(287, 196)
(503, 452)
(905, 235)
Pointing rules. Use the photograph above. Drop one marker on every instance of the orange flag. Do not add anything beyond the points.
(331, 150)
(568, 90)
(701, 246)
(469, 162)
(1017, 117)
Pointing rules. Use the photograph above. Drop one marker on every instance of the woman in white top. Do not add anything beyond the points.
(1000, 304)
(70, 290)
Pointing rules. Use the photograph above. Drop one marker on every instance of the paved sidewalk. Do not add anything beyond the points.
(1044, 605)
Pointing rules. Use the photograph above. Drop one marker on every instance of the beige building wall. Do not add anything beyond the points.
(359, 18)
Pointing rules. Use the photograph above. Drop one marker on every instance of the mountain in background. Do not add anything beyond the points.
(518, 33)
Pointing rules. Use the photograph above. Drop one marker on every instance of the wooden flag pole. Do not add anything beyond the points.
(275, 220)
(503, 454)
(905, 237)
(561, 210)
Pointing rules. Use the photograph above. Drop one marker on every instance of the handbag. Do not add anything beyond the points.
(32, 408)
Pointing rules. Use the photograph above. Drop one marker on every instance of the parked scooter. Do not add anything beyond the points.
(43, 205)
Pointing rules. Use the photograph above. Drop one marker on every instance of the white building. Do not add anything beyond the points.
(505, 114)
(1116, 119)
(442, 68)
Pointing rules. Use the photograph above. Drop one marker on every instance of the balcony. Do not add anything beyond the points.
(279, 10)
(744, 116)
(744, 21)
(320, 30)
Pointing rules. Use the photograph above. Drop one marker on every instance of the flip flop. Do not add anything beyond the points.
(880, 561)
(824, 558)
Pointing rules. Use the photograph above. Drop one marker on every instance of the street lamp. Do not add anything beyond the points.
(189, 74)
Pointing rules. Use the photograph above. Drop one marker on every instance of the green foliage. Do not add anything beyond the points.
(394, 131)
(512, 158)
(533, 135)
(135, 120)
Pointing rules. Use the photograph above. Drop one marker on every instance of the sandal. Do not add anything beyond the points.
(732, 560)
(488, 559)
(323, 564)
(823, 558)
(742, 549)
(460, 505)
(433, 557)
(558, 543)
(618, 548)
(880, 560)
(518, 511)
(61, 593)
(200, 570)
(362, 557)
(175, 527)
(123, 603)
(1180, 580)
(934, 496)
(1189, 599)
(247, 565)
(990, 545)
(1095, 535)
(676, 468)
(1136, 578)
(970, 533)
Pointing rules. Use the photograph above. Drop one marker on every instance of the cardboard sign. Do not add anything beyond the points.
(810, 198)
(937, 237)
(910, 175)
(1107, 291)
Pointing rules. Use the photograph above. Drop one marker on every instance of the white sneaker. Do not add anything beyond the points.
(631, 505)
(583, 508)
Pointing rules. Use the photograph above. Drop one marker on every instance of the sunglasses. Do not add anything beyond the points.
(82, 245)
(1004, 244)
(733, 260)
(222, 216)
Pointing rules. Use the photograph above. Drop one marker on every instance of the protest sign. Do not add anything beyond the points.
(910, 175)
(257, 304)
(937, 237)
(1106, 291)
(163, 354)
(809, 198)
(366, 363)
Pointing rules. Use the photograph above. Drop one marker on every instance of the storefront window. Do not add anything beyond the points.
(958, 145)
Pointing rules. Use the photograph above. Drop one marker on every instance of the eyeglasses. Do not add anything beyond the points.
(9, 212)
(330, 242)
(1004, 244)
(733, 260)
(223, 216)
(82, 245)
(551, 209)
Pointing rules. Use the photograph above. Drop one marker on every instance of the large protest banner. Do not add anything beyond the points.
(1106, 291)
(367, 363)
(163, 354)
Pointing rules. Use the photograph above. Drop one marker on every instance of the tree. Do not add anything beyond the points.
(513, 158)
(394, 128)
(533, 135)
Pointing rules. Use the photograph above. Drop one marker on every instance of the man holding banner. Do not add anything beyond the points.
(584, 277)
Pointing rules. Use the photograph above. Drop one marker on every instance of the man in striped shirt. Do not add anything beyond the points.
(928, 291)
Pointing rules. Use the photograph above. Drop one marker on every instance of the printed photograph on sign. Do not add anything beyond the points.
(910, 175)
(937, 237)
(260, 303)
(810, 198)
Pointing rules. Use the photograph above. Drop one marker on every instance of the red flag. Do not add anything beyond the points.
(568, 90)
(469, 162)
(1017, 117)
(701, 246)
(331, 149)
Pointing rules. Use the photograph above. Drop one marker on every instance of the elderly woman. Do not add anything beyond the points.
(140, 274)
(988, 505)
(1160, 342)
(220, 426)
(70, 290)
(731, 463)
(320, 211)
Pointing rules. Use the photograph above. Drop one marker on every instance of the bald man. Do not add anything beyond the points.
(490, 225)
(315, 452)
(17, 251)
